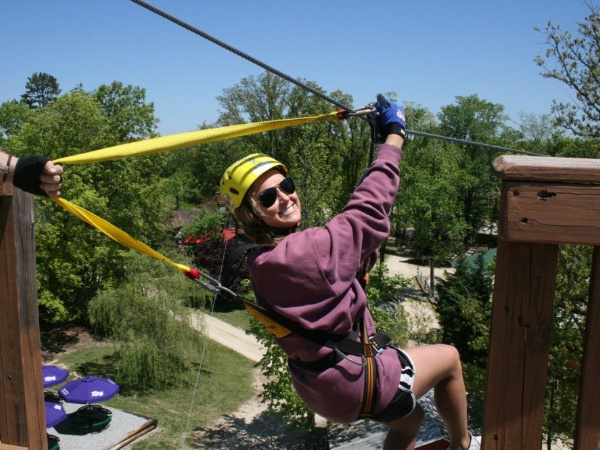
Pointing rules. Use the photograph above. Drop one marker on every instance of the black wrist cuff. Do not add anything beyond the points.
(27, 174)
(395, 128)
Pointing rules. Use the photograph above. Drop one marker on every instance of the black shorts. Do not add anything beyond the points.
(404, 401)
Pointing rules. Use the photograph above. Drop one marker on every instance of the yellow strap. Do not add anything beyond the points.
(183, 140)
(115, 233)
(273, 327)
(160, 144)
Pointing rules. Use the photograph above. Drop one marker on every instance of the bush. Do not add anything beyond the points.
(155, 344)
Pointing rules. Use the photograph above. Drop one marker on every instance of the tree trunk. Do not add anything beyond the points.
(431, 279)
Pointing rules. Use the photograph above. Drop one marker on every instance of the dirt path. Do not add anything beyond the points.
(229, 336)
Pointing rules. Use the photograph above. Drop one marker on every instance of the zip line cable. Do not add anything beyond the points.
(298, 83)
(253, 60)
(476, 144)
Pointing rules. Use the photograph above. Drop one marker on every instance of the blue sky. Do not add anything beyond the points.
(428, 52)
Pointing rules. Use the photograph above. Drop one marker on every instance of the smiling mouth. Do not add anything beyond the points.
(288, 210)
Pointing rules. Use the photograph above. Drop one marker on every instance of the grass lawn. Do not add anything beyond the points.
(239, 318)
(225, 381)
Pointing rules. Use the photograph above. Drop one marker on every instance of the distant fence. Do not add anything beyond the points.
(423, 281)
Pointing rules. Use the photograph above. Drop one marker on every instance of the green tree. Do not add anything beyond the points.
(155, 347)
(129, 116)
(13, 115)
(474, 119)
(575, 61)
(74, 260)
(429, 196)
(464, 311)
(322, 157)
(566, 350)
(40, 90)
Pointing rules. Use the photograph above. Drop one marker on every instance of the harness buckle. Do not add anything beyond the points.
(377, 344)
(373, 348)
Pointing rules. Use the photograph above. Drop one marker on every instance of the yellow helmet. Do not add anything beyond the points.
(238, 177)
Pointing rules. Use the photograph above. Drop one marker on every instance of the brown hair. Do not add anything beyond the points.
(254, 227)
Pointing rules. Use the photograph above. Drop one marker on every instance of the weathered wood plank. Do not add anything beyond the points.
(587, 429)
(22, 415)
(519, 345)
(546, 168)
(550, 213)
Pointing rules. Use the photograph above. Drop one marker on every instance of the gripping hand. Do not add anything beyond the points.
(27, 174)
(391, 116)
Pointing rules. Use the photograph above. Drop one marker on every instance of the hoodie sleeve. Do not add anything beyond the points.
(310, 276)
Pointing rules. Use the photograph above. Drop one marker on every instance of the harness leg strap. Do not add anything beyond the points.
(370, 390)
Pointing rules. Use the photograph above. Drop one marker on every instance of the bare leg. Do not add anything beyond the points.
(439, 367)
(403, 433)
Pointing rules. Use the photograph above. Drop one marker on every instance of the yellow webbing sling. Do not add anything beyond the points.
(161, 144)
(164, 143)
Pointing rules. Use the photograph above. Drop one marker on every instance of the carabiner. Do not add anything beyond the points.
(209, 283)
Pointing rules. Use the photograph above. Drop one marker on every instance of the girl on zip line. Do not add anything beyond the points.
(310, 277)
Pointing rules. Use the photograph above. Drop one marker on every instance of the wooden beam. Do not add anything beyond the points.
(519, 345)
(22, 414)
(550, 213)
(559, 170)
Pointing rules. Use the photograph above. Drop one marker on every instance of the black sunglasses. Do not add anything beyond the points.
(267, 197)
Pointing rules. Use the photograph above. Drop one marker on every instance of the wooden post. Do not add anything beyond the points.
(545, 202)
(22, 414)
(519, 345)
(587, 430)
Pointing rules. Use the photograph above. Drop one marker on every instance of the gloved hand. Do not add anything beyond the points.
(391, 116)
(27, 174)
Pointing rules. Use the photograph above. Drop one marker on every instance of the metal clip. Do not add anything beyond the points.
(209, 283)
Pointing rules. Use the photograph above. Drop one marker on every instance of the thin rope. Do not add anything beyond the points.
(206, 339)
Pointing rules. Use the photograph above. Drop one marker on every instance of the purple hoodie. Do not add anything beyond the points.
(310, 277)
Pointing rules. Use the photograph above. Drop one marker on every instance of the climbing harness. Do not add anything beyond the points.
(344, 347)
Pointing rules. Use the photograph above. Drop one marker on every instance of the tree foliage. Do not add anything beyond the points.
(566, 349)
(464, 311)
(75, 261)
(143, 317)
(326, 158)
(575, 61)
(40, 90)
(472, 118)
(430, 202)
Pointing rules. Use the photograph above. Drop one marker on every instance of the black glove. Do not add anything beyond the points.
(391, 116)
(27, 174)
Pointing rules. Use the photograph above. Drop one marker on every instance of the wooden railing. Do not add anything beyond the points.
(545, 202)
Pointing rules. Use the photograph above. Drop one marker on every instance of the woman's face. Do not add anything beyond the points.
(286, 211)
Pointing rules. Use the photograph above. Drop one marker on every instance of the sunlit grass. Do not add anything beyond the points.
(224, 382)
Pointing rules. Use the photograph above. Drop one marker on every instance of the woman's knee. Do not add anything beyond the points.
(434, 364)
(452, 354)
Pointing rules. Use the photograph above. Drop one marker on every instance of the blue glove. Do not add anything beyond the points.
(391, 116)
